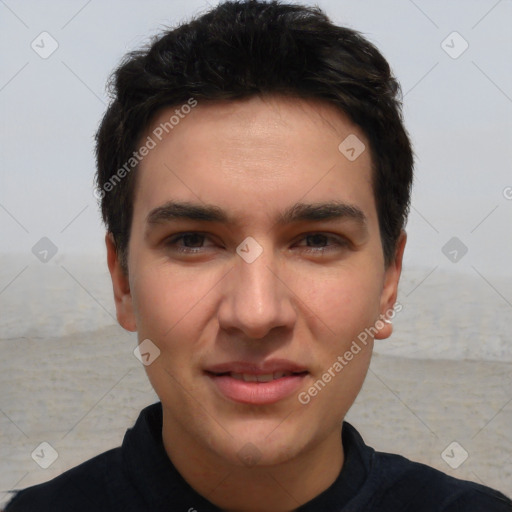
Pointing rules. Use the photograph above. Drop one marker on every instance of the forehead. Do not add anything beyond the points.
(255, 155)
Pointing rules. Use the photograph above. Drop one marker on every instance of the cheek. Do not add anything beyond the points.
(172, 309)
(167, 299)
(343, 303)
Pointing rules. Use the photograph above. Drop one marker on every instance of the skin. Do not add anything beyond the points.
(304, 299)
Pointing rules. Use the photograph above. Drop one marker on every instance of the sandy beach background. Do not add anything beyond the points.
(69, 377)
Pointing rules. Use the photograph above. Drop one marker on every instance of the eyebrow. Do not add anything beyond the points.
(312, 212)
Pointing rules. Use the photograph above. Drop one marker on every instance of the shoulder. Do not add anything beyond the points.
(424, 488)
(395, 483)
(114, 480)
(83, 488)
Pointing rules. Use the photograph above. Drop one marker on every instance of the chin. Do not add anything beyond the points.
(261, 443)
(251, 454)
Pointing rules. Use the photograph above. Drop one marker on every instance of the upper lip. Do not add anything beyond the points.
(262, 368)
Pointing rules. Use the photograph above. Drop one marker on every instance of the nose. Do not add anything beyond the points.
(257, 298)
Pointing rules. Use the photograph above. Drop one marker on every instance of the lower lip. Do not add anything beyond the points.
(257, 393)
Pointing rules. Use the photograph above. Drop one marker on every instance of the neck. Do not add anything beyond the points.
(234, 487)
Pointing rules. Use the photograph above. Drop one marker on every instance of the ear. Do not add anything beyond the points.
(390, 289)
(121, 286)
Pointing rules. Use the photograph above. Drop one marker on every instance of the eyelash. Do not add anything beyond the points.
(340, 242)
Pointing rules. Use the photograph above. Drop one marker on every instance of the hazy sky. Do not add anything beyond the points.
(457, 106)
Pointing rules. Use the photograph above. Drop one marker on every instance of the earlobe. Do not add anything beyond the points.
(121, 287)
(385, 328)
(390, 290)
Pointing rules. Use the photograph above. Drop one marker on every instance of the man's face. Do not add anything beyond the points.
(224, 318)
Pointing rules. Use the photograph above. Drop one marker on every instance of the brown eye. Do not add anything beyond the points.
(321, 243)
(191, 243)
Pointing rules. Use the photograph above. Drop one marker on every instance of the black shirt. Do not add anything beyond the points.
(139, 476)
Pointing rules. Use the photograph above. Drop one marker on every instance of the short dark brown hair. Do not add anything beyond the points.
(241, 49)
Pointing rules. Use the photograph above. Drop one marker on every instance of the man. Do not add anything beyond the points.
(255, 177)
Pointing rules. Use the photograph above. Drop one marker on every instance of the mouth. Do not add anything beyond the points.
(252, 377)
(250, 384)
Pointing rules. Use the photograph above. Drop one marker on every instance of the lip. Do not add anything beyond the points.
(268, 366)
(256, 393)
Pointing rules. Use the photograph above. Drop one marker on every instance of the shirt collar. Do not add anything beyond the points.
(150, 470)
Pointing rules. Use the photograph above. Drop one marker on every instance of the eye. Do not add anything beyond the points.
(326, 243)
(317, 244)
(189, 243)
